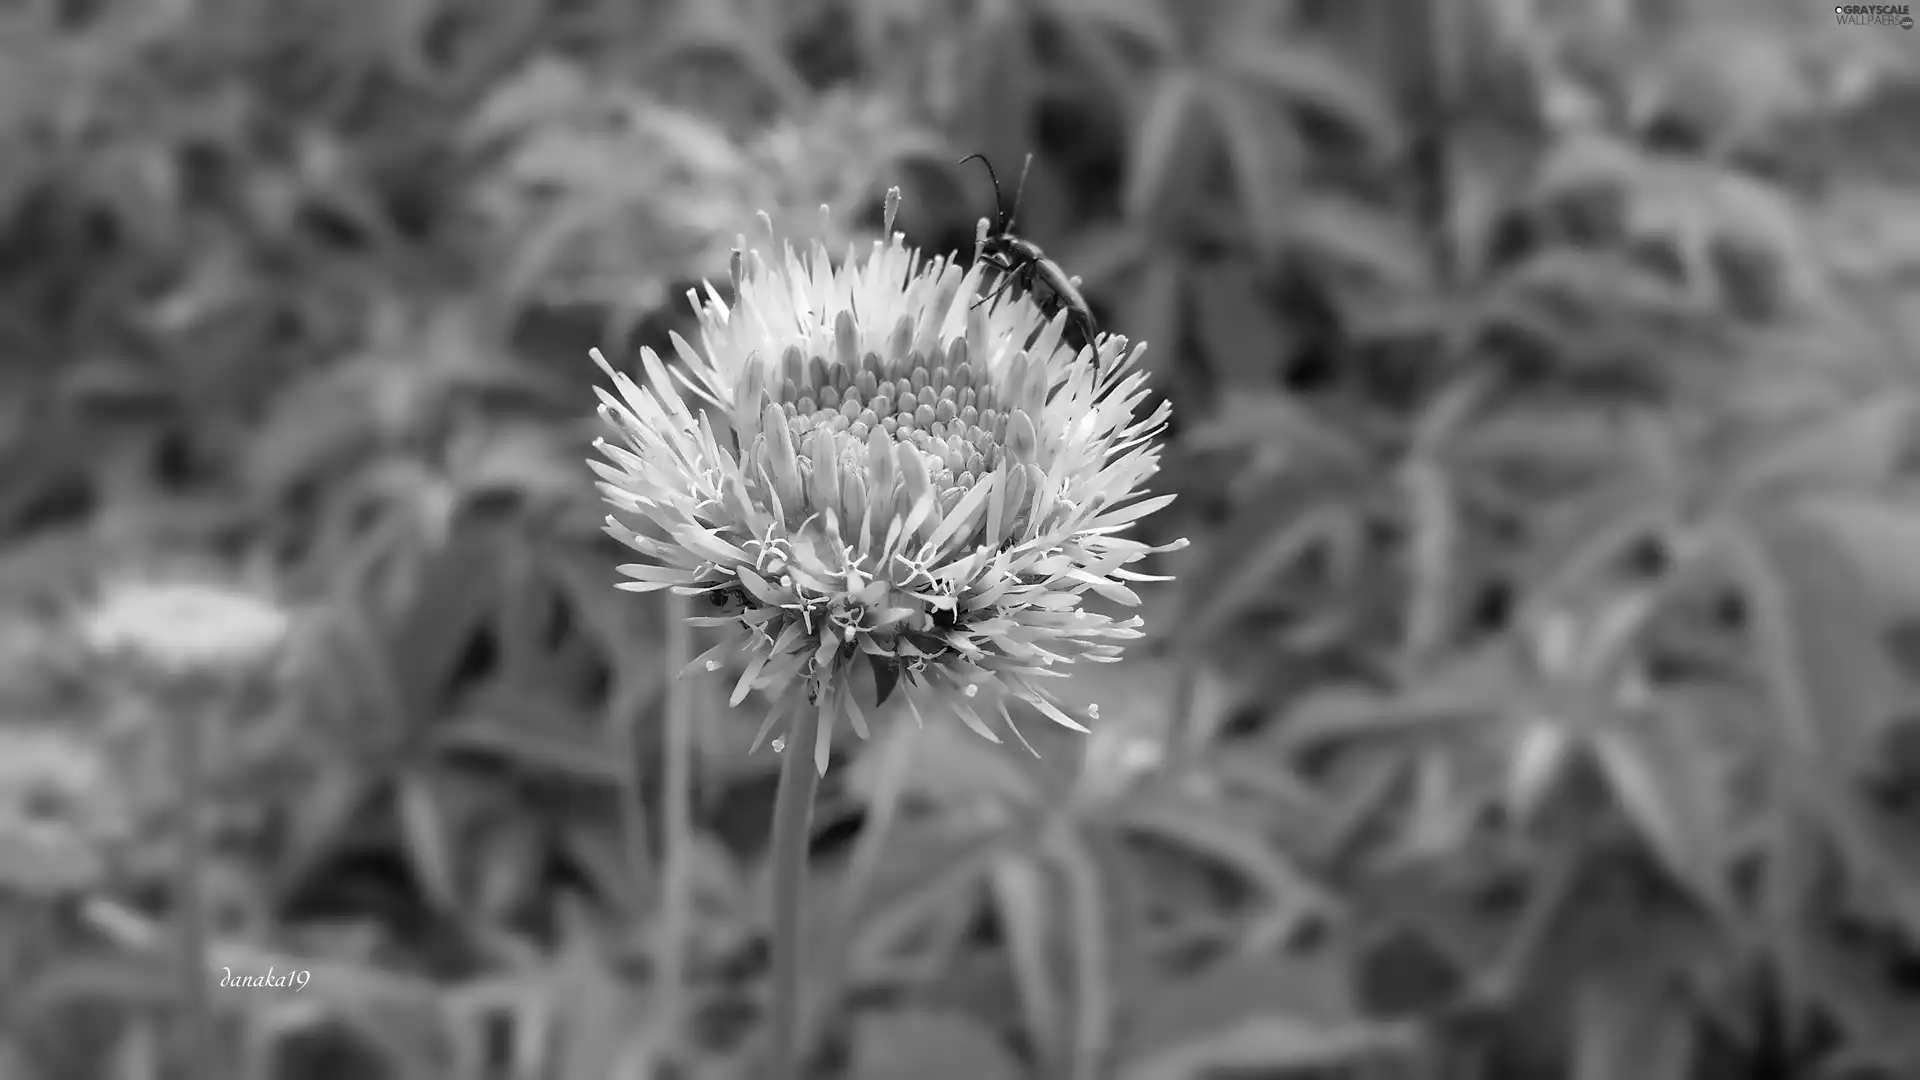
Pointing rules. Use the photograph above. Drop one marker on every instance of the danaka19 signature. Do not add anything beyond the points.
(295, 980)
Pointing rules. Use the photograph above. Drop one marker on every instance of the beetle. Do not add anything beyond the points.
(1021, 261)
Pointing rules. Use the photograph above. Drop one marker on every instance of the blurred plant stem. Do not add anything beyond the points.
(895, 760)
(676, 857)
(792, 831)
(196, 1033)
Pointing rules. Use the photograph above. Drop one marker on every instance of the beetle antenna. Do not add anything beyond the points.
(1017, 192)
(999, 212)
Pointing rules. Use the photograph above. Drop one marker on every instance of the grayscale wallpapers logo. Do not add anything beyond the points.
(1900, 15)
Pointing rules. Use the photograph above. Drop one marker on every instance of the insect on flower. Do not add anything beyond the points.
(884, 491)
(1021, 261)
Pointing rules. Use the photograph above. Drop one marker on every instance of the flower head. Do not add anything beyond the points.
(884, 489)
(184, 626)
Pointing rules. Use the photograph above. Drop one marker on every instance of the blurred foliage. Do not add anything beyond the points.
(1534, 702)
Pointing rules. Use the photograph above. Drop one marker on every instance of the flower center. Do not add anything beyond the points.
(941, 410)
(862, 437)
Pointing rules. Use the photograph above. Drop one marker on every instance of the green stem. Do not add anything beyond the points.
(895, 761)
(626, 715)
(676, 871)
(792, 834)
(196, 1010)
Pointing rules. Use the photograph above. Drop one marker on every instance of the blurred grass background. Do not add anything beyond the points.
(1535, 701)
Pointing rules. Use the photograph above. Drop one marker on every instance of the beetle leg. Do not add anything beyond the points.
(1008, 275)
(1005, 281)
(996, 292)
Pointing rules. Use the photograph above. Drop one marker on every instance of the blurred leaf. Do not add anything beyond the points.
(1304, 441)
(594, 1011)
(47, 866)
(1670, 777)
(1880, 849)
(1631, 1030)
(1871, 234)
(1877, 536)
(527, 463)
(1211, 831)
(429, 840)
(455, 591)
(604, 193)
(325, 810)
(1142, 726)
(1357, 238)
(937, 1046)
(1433, 554)
(1105, 256)
(93, 977)
(1245, 339)
(545, 744)
(1145, 22)
(1253, 1014)
(1266, 158)
(749, 33)
(1090, 920)
(1156, 305)
(1565, 289)
(1470, 688)
(1165, 141)
(1689, 203)
(1258, 551)
(839, 153)
(929, 873)
(328, 420)
(997, 76)
(955, 766)
(1822, 651)
(1314, 75)
(1028, 917)
(137, 1054)
(1876, 1028)
(1862, 445)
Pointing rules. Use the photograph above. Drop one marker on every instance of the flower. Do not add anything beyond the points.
(184, 627)
(885, 488)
